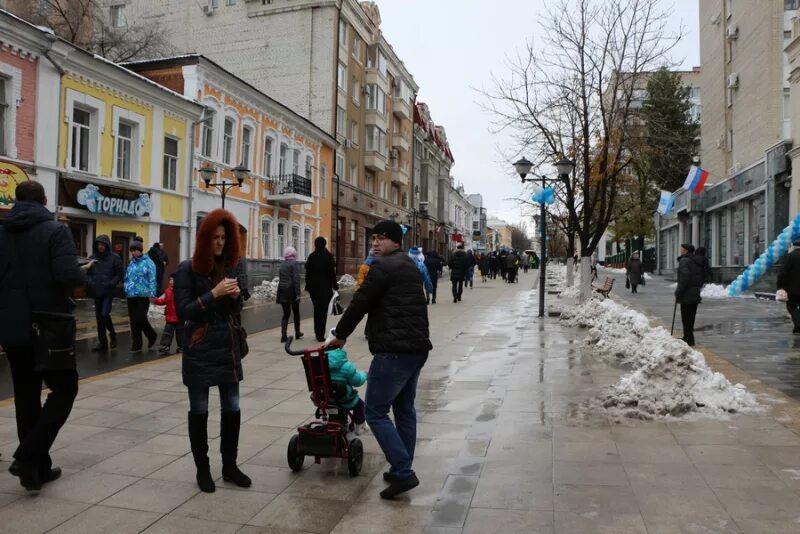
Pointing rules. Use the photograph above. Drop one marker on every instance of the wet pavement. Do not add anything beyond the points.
(500, 448)
(753, 334)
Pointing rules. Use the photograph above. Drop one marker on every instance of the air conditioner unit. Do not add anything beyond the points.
(733, 81)
(208, 9)
(732, 32)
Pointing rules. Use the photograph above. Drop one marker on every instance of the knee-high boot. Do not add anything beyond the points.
(198, 437)
(229, 447)
(284, 326)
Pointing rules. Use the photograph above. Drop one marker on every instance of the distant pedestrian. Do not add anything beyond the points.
(434, 264)
(140, 287)
(634, 271)
(415, 253)
(789, 281)
(38, 270)
(707, 272)
(173, 327)
(320, 284)
(158, 258)
(512, 267)
(687, 293)
(288, 295)
(458, 271)
(104, 273)
(471, 264)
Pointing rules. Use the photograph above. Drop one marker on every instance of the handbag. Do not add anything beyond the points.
(240, 335)
(53, 341)
(627, 283)
(781, 295)
(335, 305)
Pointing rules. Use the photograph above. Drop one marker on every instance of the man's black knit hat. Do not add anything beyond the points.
(390, 229)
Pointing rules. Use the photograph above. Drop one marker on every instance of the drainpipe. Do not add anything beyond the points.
(190, 178)
(61, 72)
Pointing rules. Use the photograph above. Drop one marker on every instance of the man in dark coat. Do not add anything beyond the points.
(160, 260)
(458, 271)
(690, 284)
(789, 281)
(399, 339)
(321, 283)
(38, 270)
(434, 263)
(105, 272)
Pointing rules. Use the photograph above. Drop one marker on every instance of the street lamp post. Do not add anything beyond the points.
(240, 172)
(523, 167)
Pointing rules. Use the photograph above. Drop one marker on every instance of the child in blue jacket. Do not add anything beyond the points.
(343, 371)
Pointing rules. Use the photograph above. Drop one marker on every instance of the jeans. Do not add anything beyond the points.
(37, 425)
(392, 384)
(470, 276)
(432, 293)
(458, 288)
(102, 314)
(320, 314)
(137, 313)
(172, 330)
(688, 314)
(228, 398)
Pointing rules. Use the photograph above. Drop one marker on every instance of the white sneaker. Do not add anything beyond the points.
(362, 429)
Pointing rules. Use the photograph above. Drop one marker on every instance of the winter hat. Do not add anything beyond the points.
(389, 229)
(137, 245)
(320, 242)
(289, 253)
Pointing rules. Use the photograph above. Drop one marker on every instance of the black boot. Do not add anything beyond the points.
(229, 447)
(297, 333)
(284, 326)
(198, 437)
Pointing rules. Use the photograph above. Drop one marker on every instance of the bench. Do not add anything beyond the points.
(604, 289)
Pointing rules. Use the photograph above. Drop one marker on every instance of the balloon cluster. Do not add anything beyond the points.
(776, 250)
(543, 195)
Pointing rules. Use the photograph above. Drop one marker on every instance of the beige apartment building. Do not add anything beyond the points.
(328, 61)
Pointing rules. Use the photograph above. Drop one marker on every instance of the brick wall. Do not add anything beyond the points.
(22, 73)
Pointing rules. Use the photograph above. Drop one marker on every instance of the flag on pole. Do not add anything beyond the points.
(696, 179)
(666, 203)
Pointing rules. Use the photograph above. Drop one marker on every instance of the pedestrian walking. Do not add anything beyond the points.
(789, 281)
(707, 272)
(38, 270)
(434, 263)
(471, 264)
(687, 294)
(512, 267)
(140, 287)
(208, 298)
(288, 295)
(173, 327)
(634, 270)
(104, 273)
(415, 253)
(458, 271)
(320, 284)
(158, 258)
(399, 340)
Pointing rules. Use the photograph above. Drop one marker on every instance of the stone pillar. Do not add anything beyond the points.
(696, 230)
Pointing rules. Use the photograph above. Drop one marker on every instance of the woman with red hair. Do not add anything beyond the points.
(208, 297)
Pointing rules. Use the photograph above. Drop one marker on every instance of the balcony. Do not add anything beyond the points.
(375, 161)
(401, 142)
(400, 175)
(401, 107)
(289, 189)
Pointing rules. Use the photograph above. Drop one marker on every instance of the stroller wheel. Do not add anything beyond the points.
(355, 458)
(294, 458)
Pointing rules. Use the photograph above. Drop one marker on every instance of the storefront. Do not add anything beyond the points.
(11, 175)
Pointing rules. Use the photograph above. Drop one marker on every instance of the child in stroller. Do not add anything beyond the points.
(344, 372)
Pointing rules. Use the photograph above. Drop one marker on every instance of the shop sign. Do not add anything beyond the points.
(121, 203)
(10, 177)
(458, 238)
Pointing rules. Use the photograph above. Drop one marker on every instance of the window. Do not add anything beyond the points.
(341, 76)
(309, 169)
(353, 232)
(296, 238)
(354, 175)
(342, 33)
(376, 139)
(282, 162)
(307, 240)
(369, 183)
(207, 145)
(266, 235)
(383, 190)
(339, 170)
(790, 5)
(354, 132)
(170, 164)
(340, 120)
(356, 47)
(376, 60)
(323, 181)
(230, 2)
(3, 114)
(227, 141)
(124, 150)
(281, 238)
(402, 91)
(376, 99)
(117, 16)
(395, 195)
(247, 135)
(268, 156)
(214, 3)
(81, 132)
(296, 163)
(356, 91)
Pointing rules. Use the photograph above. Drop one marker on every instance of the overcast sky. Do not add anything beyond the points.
(453, 46)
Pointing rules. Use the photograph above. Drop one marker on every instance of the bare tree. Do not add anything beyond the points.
(519, 238)
(574, 96)
(86, 23)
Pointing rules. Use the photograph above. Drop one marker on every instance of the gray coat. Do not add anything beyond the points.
(635, 271)
(288, 282)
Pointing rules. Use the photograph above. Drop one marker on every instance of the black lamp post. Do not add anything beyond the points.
(523, 167)
(240, 172)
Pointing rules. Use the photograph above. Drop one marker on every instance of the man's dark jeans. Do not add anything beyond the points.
(102, 314)
(37, 425)
(320, 314)
(688, 314)
(392, 384)
(458, 288)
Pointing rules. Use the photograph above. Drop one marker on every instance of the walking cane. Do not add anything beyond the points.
(675, 309)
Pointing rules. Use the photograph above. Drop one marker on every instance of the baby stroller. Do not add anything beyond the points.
(331, 435)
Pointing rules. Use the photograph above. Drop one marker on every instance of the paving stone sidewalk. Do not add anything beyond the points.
(501, 448)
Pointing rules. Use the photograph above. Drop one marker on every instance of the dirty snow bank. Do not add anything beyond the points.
(668, 378)
(268, 289)
(714, 291)
(346, 281)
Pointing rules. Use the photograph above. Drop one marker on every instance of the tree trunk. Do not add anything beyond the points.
(570, 271)
(586, 278)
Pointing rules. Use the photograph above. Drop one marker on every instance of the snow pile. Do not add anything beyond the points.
(714, 291)
(346, 281)
(647, 276)
(668, 377)
(615, 270)
(571, 292)
(266, 290)
(556, 277)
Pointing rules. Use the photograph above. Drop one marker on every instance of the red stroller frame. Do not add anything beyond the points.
(327, 436)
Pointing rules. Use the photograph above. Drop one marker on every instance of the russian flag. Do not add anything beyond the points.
(696, 179)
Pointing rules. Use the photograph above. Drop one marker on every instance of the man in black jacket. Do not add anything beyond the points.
(321, 283)
(38, 270)
(687, 293)
(399, 340)
(789, 281)
(105, 272)
(458, 271)
(434, 264)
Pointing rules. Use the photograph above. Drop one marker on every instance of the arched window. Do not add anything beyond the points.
(227, 141)
(296, 163)
(282, 162)
(247, 143)
(268, 146)
(281, 239)
(266, 236)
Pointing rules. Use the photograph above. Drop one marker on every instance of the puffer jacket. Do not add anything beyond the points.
(789, 275)
(288, 282)
(168, 301)
(434, 264)
(392, 296)
(140, 279)
(107, 272)
(690, 279)
(43, 277)
(458, 266)
(345, 372)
